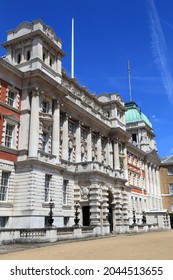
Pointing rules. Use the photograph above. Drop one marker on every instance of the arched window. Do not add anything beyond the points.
(18, 58)
(28, 55)
(50, 62)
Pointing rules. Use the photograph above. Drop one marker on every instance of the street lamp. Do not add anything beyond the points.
(134, 217)
(76, 219)
(51, 206)
(144, 220)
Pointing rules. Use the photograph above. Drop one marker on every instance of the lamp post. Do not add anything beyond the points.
(144, 220)
(76, 219)
(134, 217)
(51, 206)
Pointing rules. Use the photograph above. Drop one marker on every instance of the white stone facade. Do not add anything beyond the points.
(71, 145)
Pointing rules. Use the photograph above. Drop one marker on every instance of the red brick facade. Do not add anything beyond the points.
(7, 110)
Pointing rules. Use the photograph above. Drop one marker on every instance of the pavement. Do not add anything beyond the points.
(157, 245)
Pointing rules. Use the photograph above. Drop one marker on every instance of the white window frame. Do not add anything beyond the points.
(5, 176)
(9, 135)
(13, 102)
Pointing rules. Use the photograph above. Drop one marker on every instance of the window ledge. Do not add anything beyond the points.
(13, 108)
(8, 150)
(6, 204)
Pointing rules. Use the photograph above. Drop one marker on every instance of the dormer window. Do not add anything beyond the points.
(18, 58)
(28, 55)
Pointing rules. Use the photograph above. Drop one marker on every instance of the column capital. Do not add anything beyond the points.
(115, 140)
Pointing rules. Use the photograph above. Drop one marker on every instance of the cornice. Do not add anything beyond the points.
(8, 66)
(31, 35)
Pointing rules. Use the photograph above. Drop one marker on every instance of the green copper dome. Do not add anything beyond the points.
(134, 114)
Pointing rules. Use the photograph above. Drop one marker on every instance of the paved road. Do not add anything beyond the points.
(147, 246)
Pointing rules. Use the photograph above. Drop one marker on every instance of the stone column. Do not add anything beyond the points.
(99, 148)
(24, 121)
(151, 187)
(160, 202)
(56, 130)
(78, 142)
(147, 187)
(146, 178)
(125, 164)
(94, 205)
(65, 138)
(89, 145)
(34, 124)
(116, 155)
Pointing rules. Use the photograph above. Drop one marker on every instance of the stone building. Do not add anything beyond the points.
(59, 142)
(143, 168)
(166, 178)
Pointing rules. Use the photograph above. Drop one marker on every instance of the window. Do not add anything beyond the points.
(11, 98)
(44, 56)
(170, 170)
(65, 185)
(4, 185)
(28, 55)
(3, 221)
(45, 138)
(19, 58)
(47, 187)
(171, 189)
(45, 106)
(50, 61)
(9, 135)
(134, 137)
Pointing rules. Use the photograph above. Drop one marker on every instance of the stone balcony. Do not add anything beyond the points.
(92, 166)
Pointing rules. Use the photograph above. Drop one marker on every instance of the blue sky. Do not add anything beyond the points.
(108, 33)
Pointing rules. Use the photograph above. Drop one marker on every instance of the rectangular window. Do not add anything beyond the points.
(45, 106)
(4, 185)
(45, 137)
(134, 137)
(65, 185)
(47, 187)
(11, 98)
(171, 189)
(9, 135)
(170, 170)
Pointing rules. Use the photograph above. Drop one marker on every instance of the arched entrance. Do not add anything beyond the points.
(110, 213)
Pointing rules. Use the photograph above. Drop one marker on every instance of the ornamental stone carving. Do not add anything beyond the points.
(84, 192)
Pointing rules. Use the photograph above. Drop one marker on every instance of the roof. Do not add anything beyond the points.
(167, 160)
(134, 114)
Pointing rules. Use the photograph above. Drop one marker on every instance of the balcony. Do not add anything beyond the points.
(92, 166)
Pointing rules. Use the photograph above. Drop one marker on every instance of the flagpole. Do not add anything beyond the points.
(130, 91)
(72, 49)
